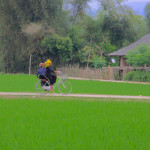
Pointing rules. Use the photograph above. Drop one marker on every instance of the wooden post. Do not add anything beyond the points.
(109, 72)
(30, 64)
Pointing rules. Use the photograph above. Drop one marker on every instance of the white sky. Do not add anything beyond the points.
(129, 1)
(94, 3)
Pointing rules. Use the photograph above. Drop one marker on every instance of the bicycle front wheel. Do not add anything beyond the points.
(65, 87)
(42, 88)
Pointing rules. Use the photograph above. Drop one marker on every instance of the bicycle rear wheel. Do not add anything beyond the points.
(42, 88)
(65, 87)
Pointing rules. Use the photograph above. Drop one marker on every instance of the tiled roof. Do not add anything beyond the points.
(123, 51)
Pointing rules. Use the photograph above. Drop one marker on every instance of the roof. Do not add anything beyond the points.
(123, 51)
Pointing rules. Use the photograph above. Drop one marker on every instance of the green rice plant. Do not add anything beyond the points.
(59, 124)
(26, 83)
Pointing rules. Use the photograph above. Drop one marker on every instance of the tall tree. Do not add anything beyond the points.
(14, 16)
(120, 23)
(78, 9)
(77, 42)
(147, 14)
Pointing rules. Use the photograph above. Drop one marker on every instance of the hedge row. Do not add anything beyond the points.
(141, 76)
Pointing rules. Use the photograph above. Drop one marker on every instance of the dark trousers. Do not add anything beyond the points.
(52, 79)
(42, 77)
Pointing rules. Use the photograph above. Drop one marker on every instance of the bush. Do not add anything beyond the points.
(98, 62)
(141, 76)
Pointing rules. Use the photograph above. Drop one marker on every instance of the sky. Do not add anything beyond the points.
(138, 1)
(137, 5)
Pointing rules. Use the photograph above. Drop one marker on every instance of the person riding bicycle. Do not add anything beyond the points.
(50, 74)
(41, 71)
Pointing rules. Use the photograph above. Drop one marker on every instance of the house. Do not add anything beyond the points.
(123, 51)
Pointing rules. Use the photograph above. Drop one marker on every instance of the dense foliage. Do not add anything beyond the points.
(141, 76)
(139, 56)
(147, 14)
(64, 31)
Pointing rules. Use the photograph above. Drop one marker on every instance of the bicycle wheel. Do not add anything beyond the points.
(65, 87)
(42, 88)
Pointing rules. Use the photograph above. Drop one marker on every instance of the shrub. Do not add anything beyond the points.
(141, 76)
(98, 62)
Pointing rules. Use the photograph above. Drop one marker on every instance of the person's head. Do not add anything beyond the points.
(48, 63)
(41, 65)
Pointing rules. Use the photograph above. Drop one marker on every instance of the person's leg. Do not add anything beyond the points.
(42, 78)
(51, 88)
(54, 79)
(51, 83)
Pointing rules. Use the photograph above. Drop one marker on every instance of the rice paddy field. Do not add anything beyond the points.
(67, 123)
(73, 124)
(26, 83)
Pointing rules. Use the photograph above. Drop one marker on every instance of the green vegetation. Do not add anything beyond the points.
(139, 56)
(98, 62)
(62, 29)
(26, 83)
(147, 14)
(141, 76)
(27, 123)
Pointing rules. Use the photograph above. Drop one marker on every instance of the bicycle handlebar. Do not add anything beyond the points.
(59, 73)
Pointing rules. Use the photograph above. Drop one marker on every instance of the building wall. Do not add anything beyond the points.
(122, 61)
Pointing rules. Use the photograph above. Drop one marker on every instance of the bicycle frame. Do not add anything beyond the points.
(60, 80)
(63, 86)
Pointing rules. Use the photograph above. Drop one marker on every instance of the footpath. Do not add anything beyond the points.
(75, 95)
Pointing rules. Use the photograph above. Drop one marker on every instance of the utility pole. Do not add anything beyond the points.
(30, 64)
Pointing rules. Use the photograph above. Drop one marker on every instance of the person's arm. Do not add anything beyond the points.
(56, 71)
(51, 69)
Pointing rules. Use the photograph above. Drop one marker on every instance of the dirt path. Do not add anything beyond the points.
(75, 95)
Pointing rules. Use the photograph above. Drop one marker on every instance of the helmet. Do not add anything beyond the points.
(41, 64)
(48, 62)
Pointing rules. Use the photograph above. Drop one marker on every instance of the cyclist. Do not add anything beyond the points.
(50, 74)
(41, 71)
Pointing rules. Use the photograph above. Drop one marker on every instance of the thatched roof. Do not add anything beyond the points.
(122, 52)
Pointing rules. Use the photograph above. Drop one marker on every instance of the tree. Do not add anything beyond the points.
(121, 24)
(91, 32)
(15, 15)
(78, 9)
(138, 25)
(104, 49)
(58, 48)
(84, 55)
(139, 56)
(147, 14)
(77, 42)
(119, 30)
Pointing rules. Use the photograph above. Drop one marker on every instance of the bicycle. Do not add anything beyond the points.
(63, 86)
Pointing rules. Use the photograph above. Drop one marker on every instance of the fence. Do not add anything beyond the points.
(105, 73)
